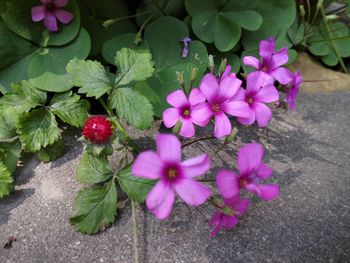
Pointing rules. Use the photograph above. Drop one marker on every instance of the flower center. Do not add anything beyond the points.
(50, 6)
(186, 113)
(171, 173)
(215, 107)
(250, 100)
(265, 68)
(243, 182)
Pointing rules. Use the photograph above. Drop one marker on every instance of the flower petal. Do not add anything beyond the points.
(229, 86)
(61, 3)
(247, 121)
(227, 182)
(249, 158)
(241, 206)
(192, 192)
(196, 97)
(38, 13)
(264, 171)
(266, 48)
(177, 99)
(50, 22)
(45, 1)
(160, 200)
(263, 114)
(226, 72)
(269, 192)
(147, 165)
(216, 221)
(279, 58)
(168, 147)
(237, 108)
(201, 114)
(170, 117)
(229, 222)
(223, 125)
(251, 62)
(282, 75)
(240, 95)
(267, 94)
(209, 86)
(187, 128)
(255, 81)
(64, 16)
(196, 166)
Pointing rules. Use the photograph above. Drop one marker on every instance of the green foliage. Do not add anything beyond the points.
(132, 106)
(8, 122)
(6, 181)
(93, 169)
(95, 208)
(37, 129)
(10, 153)
(51, 152)
(70, 108)
(136, 188)
(133, 66)
(52, 82)
(90, 76)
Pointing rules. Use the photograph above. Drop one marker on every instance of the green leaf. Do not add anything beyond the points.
(70, 108)
(133, 65)
(6, 181)
(118, 42)
(10, 153)
(93, 169)
(50, 59)
(24, 97)
(8, 122)
(99, 149)
(51, 152)
(132, 106)
(94, 208)
(17, 16)
(135, 187)
(52, 82)
(90, 76)
(37, 129)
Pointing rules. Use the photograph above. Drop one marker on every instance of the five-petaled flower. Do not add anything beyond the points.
(184, 110)
(219, 94)
(221, 220)
(271, 61)
(293, 91)
(50, 11)
(252, 171)
(258, 92)
(173, 176)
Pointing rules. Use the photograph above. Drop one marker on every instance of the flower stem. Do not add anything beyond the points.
(197, 140)
(109, 22)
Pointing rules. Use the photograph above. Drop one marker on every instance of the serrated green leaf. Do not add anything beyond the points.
(51, 152)
(10, 153)
(90, 76)
(6, 181)
(93, 169)
(94, 208)
(132, 106)
(37, 129)
(135, 187)
(52, 82)
(8, 122)
(99, 149)
(70, 108)
(133, 65)
(23, 98)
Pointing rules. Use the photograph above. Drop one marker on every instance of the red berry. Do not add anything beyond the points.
(97, 129)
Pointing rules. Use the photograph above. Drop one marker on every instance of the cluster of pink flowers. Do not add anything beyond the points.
(221, 97)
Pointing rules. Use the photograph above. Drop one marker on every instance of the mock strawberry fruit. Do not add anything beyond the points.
(97, 129)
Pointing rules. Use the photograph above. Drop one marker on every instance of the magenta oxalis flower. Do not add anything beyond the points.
(219, 94)
(258, 92)
(221, 220)
(251, 171)
(184, 111)
(50, 11)
(293, 91)
(173, 176)
(271, 61)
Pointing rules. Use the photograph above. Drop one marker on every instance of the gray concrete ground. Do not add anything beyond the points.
(309, 150)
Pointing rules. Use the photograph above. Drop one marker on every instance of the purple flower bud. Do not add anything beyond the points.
(185, 50)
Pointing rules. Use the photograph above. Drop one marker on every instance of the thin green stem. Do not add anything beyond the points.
(109, 22)
(333, 42)
(134, 234)
(197, 140)
(308, 11)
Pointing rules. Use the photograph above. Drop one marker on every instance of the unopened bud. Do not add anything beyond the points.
(232, 135)
(228, 211)
(222, 65)
(302, 10)
(177, 127)
(180, 78)
(319, 4)
(138, 38)
(211, 64)
(193, 74)
(331, 17)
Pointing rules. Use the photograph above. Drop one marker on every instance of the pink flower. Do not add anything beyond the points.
(184, 111)
(174, 176)
(219, 95)
(271, 61)
(220, 220)
(252, 170)
(50, 11)
(258, 92)
(293, 90)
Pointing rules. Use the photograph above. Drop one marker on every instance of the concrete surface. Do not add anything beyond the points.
(309, 150)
